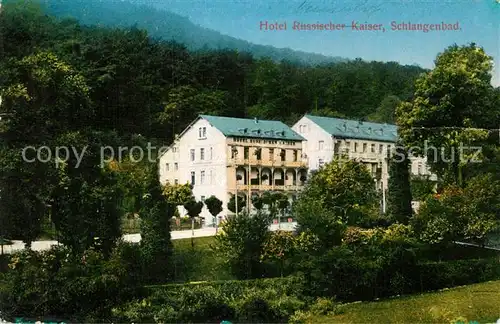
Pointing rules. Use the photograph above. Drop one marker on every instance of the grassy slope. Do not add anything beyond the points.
(200, 263)
(479, 302)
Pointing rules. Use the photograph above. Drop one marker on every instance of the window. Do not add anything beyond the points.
(295, 155)
(193, 177)
(336, 147)
(168, 166)
(355, 147)
(381, 148)
(202, 177)
(202, 198)
(211, 153)
(321, 145)
(176, 166)
(271, 154)
(347, 146)
(373, 148)
(246, 149)
(419, 168)
(364, 147)
(211, 177)
(303, 129)
(283, 155)
(202, 154)
(389, 147)
(321, 162)
(174, 149)
(192, 154)
(176, 181)
(202, 132)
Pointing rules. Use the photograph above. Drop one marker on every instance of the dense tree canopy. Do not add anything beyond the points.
(454, 107)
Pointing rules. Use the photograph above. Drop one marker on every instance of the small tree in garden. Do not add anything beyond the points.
(258, 203)
(178, 194)
(343, 185)
(231, 205)
(214, 206)
(279, 247)
(240, 242)
(314, 218)
(193, 209)
(283, 204)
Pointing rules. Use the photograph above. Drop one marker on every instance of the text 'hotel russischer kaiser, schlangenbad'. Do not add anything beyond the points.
(357, 26)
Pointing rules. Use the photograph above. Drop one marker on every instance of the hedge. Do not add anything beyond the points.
(358, 279)
(259, 300)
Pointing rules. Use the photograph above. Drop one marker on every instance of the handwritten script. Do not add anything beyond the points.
(367, 7)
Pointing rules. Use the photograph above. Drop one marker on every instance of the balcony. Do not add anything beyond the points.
(268, 163)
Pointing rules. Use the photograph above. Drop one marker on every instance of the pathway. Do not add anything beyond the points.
(135, 238)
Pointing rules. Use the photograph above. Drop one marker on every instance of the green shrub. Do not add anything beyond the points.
(300, 317)
(438, 275)
(268, 300)
(57, 282)
(254, 308)
(324, 306)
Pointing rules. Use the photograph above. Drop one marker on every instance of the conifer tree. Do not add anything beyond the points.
(399, 200)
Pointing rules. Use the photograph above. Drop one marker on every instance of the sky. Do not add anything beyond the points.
(479, 22)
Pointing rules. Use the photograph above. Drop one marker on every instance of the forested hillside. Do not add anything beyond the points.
(138, 85)
(170, 26)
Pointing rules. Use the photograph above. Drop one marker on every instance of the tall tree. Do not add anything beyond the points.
(450, 104)
(156, 213)
(399, 200)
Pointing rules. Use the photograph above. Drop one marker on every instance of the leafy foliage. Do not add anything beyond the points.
(279, 247)
(57, 282)
(343, 187)
(469, 213)
(231, 205)
(421, 187)
(241, 241)
(450, 106)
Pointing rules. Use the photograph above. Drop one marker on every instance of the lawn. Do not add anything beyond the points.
(200, 263)
(475, 303)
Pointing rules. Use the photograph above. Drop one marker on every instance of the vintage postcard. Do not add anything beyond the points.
(249, 161)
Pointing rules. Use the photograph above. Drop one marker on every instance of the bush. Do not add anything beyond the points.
(325, 306)
(241, 242)
(438, 275)
(268, 300)
(56, 282)
(254, 308)
(300, 317)
(377, 269)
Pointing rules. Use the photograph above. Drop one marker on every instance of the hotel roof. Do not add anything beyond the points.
(253, 128)
(345, 128)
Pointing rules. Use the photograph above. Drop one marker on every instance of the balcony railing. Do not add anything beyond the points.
(286, 187)
(267, 163)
